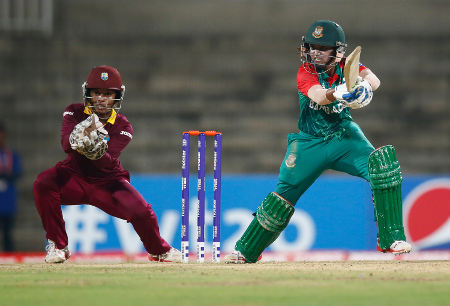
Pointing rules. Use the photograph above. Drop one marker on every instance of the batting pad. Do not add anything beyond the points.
(385, 180)
(272, 217)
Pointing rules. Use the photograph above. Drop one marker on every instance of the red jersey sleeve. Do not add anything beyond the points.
(361, 67)
(305, 80)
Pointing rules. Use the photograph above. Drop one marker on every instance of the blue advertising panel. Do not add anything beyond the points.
(335, 213)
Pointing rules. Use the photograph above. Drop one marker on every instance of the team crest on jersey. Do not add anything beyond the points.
(290, 160)
(104, 76)
(318, 32)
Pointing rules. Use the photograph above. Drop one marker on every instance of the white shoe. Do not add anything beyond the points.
(55, 255)
(400, 247)
(235, 258)
(397, 247)
(173, 255)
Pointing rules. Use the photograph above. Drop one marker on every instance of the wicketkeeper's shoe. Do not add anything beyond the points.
(397, 247)
(236, 257)
(173, 255)
(55, 255)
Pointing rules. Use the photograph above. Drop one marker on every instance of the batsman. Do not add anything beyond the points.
(328, 138)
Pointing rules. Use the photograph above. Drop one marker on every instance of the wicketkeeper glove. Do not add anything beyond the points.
(93, 144)
(78, 138)
(96, 151)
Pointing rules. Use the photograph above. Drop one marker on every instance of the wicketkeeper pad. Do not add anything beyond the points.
(385, 179)
(272, 217)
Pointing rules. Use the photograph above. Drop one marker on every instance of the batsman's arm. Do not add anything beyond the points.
(309, 85)
(325, 96)
(370, 77)
(321, 95)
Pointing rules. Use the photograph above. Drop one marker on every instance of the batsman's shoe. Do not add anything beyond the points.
(173, 255)
(236, 257)
(55, 255)
(396, 248)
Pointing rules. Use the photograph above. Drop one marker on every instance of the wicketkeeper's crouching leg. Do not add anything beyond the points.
(385, 180)
(271, 218)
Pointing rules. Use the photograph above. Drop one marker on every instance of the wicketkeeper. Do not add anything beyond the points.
(328, 138)
(93, 135)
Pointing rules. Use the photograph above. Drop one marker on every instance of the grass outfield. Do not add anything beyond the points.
(293, 283)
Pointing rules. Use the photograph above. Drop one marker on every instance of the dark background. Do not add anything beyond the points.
(220, 65)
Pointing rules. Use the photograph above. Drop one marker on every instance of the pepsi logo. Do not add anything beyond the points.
(426, 215)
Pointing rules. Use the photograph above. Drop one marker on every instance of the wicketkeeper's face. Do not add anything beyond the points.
(321, 55)
(102, 100)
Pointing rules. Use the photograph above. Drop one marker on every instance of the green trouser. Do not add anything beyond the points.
(308, 156)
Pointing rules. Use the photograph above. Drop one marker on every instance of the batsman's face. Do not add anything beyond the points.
(102, 100)
(321, 55)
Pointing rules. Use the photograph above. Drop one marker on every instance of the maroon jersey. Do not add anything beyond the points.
(108, 166)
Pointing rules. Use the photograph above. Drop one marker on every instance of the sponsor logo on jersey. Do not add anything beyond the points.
(67, 113)
(126, 134)
(337, 108)
(104, 76)
(318, 32)
(427, 215)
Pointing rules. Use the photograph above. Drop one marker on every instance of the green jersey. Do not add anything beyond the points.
(320, 120)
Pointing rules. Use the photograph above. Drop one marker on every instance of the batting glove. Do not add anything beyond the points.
(365, 98)
(342, 95)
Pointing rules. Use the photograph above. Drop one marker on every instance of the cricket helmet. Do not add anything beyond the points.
(104, 77)
(324, 33)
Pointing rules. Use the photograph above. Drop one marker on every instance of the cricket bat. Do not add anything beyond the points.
(351, 68)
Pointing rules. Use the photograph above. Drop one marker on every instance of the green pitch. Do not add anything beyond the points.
(299, 283)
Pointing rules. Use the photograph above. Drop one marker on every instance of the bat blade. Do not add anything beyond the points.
(351, 68)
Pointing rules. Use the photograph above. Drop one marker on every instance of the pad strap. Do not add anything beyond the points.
(272, 217)
(385, 180)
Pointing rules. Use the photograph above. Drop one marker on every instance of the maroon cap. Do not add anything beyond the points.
(105, 77)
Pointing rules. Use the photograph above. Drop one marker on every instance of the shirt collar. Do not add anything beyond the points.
(111, 119)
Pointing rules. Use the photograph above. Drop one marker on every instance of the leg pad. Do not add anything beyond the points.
(272, 217)
(385, 180)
